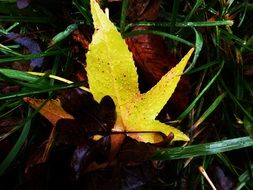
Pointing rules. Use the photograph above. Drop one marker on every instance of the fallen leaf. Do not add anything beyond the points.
(30, 44)
(21, 4)
(52, 110)
(85, 157)
(151, 55)
(77, 131)
(113, 73)
(221, 180)
(79, 37)
(89, 155)
(143, 9)
(91, 119)
(153, 60)
(95, 118)
(133, 152)
(137, 176)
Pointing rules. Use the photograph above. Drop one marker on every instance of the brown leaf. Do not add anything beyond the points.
(6, 124)
(135, 152)
(91, 119)
(52, 110)
(151, 55)
(140, 176)
(90, 156)
(143, 9)
(79, 37)
(5, 89)
(40, 151)
(86, 156)
(39, 155)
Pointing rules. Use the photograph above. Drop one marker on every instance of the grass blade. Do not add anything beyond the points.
(198, 48)
(245, 178)
(209, 110)
(191, 106)
(39, 91)
(19, 75)
(16, 148)
(203, 149)
(123, 16)
(183, 24)
(159, 33)
(32, 56)
(247, 114)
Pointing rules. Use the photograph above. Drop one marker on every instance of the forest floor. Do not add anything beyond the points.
(55, 134)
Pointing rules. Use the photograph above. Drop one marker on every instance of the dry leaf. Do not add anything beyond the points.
(52, 110)
(143, 9)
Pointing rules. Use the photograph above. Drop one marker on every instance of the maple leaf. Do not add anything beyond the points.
(111, 71)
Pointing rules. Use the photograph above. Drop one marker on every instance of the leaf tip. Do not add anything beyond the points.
(181, 137)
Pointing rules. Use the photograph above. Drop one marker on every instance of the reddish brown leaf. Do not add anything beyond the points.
(5, 89)
(6, 124)
(79, 37)
(151, 55)
(116, 142)
(143, 9)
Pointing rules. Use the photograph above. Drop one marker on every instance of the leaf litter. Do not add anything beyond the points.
(115, 68)
(83, 127)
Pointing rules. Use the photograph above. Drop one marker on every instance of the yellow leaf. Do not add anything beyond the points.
(155, 126)
(148, 106)
(111, 71)
(110, 66)
(153, 101)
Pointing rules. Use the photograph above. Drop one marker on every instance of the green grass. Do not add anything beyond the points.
(218, 118)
